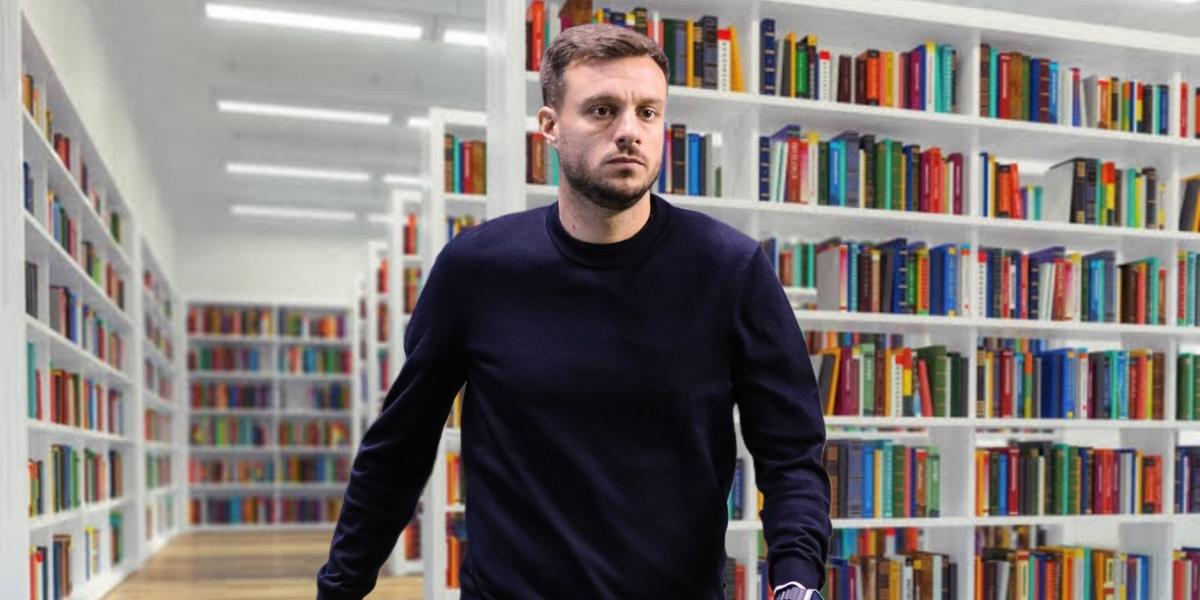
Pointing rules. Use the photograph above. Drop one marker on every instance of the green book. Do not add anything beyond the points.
(801, 62)
(1061, 479)
(1152, 281)
(868, 371)
(935, 361)
(798, 264)
(889, 472)
(899, 458)
(897, 188)
(31, 378)
(1185, 387)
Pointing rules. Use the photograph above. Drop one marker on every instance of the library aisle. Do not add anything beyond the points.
(218, 219)
(270, 565)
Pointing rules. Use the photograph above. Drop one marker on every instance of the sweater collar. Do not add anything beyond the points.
(617, 254)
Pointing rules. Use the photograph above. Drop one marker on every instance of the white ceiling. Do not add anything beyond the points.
(176, 64)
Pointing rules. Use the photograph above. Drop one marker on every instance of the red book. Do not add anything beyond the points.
(464, 152)
(792, 185)
(956, 163)
(739, 582)
(1006, 375)
(1004, 101)
(926, 394)
(925, 181)
(1014, 188)
(1140, 271)
(914, 81)
(1059, 295)
(937, 172)
(1023, 286)
(1136, 383)
(1183, 110)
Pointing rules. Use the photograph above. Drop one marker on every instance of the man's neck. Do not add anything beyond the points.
(587, 222)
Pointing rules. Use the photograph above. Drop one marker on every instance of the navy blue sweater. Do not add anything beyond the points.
(598, 435)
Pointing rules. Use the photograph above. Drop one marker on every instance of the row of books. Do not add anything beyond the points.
(858, 170)
(408, 240)
(316, 469)
(1044, 478)
(315, 359)
(1014, 85)
(1185, 573)
(882, 479)
(382, 320)
(1056, 284)
(734, 579)
(1091, 191)
(227, 431)
(915, 574)
(896, 276)
(224, 394)
(73, 477)
(794, 262)
(232, 510)
(456, 481)
(310, 510)
(157, 288)
(227, 358)
(1187, 479)
(316, 396)
(700, 53)
(412, 276)
(454, 226)
(294, 323)
(456, 547)
(465, 167)
(158, 471)
(64, 317)
(1063, 572)
(103, 274)
(793, 66)
(50, 574)
(158, 336)
(78, 401)
(1027, 379)
(228, 320)
(156, 425)
(320, 432)
(691, 162)
(873, 378)
(231, 470)
(100, 340)
(541, 160)
(159, 381)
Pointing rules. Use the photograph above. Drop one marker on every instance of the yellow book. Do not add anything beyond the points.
(691, 54)
(1148, 389)
(789, 46)
(832, 353)
(736, 82)
(981, 484)
(894, 574)
(889, 90)
(878, 473)
(1138, 460)
(906, 380)
(598, 16)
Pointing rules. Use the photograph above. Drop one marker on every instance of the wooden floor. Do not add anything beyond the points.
(236, 566)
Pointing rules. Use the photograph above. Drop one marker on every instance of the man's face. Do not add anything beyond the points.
(609, 131)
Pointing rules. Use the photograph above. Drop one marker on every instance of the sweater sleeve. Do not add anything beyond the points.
(397, 452)
(782, 424)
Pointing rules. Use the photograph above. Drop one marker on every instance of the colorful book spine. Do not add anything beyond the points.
(222, 320)
(214, 395)
(229, 431)
(895, 277)
(227, 358)
(882, 479)
(235, 509)
(315, 360)
(231, 470)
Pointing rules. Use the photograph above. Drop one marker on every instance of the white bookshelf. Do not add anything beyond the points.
(163, 388)
(144, 524)
(849, 26)
(289, 403)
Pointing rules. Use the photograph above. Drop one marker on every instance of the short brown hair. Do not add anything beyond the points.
(594, 41)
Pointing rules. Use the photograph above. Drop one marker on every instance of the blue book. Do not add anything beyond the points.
(666, 165)
(1164, 109)
(28, 187)
(768, 57)
(946, 81)
(1019, 384)
(849, 174)
(852, 272)
(1035, 87)
(837, 166)
(1123, 403)
(764, 168)
(1002, 492)
(985, 159)
(937, 261)
(1076, 104)
(895, 248)
(888, 473)
(912, 154)
(869, 450)
(693, 164)
(1071, 375)
(1054, 91)
(457, 167)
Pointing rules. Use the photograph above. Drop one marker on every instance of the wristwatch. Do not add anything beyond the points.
(796, 592)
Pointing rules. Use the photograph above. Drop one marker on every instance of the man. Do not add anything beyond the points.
(605, 341)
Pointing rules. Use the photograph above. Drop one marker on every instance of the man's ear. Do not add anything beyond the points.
(548, 125)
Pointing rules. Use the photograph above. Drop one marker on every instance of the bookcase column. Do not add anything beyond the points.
(505, 107)
(14, 521)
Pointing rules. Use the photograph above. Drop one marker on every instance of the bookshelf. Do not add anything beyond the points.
(741, 118)
(164, 424)
(92, 342)
(274, 413)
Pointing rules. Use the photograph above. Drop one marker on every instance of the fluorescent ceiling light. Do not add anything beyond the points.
(300, 20)
(418, 122)
(303, 112)
(276, 212)
(408, 180)
(379, 218)
(298, 172)
(465, 37)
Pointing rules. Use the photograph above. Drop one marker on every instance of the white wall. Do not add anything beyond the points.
(78, 52)
(275, 266)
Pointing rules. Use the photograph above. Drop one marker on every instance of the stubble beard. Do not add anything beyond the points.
(600, 192)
